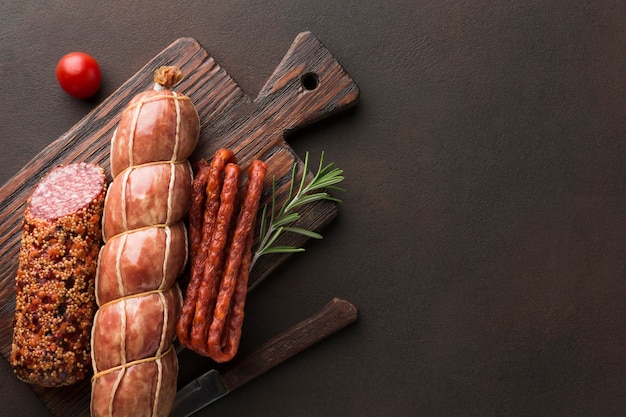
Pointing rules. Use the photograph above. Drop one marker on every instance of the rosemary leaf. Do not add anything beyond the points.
(263, 226)
(300, 193)
(282, 249)
(307, 199)
(303, 232)
(274, 235)
(325, 182)
(287, 219)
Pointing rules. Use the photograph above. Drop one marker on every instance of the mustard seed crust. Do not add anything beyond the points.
(55, 301)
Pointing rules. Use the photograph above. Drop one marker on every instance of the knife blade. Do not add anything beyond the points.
(213, 385)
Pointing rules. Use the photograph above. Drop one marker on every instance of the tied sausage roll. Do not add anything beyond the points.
(145, 195)
(157, 125)
(55, 305)
(140, 261)
(146, 249)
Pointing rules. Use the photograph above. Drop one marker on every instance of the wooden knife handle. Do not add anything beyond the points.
(334, 316)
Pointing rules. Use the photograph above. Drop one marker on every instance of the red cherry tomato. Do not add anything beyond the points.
(79, 74)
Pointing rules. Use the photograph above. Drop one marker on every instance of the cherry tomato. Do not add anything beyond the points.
(79, 74)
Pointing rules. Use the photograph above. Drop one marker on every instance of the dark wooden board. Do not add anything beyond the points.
(308, 85)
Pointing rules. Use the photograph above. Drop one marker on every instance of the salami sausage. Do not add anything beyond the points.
(141, 260)
(157, 125)
(196, 207)
(210, 195)
(225, 329)
(146, 195)
(141, 388)
(120, 326)
(54, 307)
(146, 249)
(212, 313)
(211, 279)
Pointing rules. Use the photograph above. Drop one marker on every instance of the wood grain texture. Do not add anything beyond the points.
(308, 85)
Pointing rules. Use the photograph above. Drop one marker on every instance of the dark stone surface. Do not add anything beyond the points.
(482, 230)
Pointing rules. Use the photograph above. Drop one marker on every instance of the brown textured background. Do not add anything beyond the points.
(483, 229)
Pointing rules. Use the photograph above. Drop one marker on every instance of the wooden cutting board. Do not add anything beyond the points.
(308, 85)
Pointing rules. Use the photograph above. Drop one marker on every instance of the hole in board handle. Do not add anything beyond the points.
(310, 81)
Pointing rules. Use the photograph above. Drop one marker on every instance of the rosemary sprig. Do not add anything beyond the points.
(281, 221)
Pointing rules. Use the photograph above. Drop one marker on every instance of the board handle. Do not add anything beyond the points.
(308, 84)
(334, 316)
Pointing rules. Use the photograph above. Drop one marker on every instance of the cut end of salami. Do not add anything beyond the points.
(66, 189)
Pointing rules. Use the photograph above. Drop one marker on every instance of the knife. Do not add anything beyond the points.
(213, 384)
